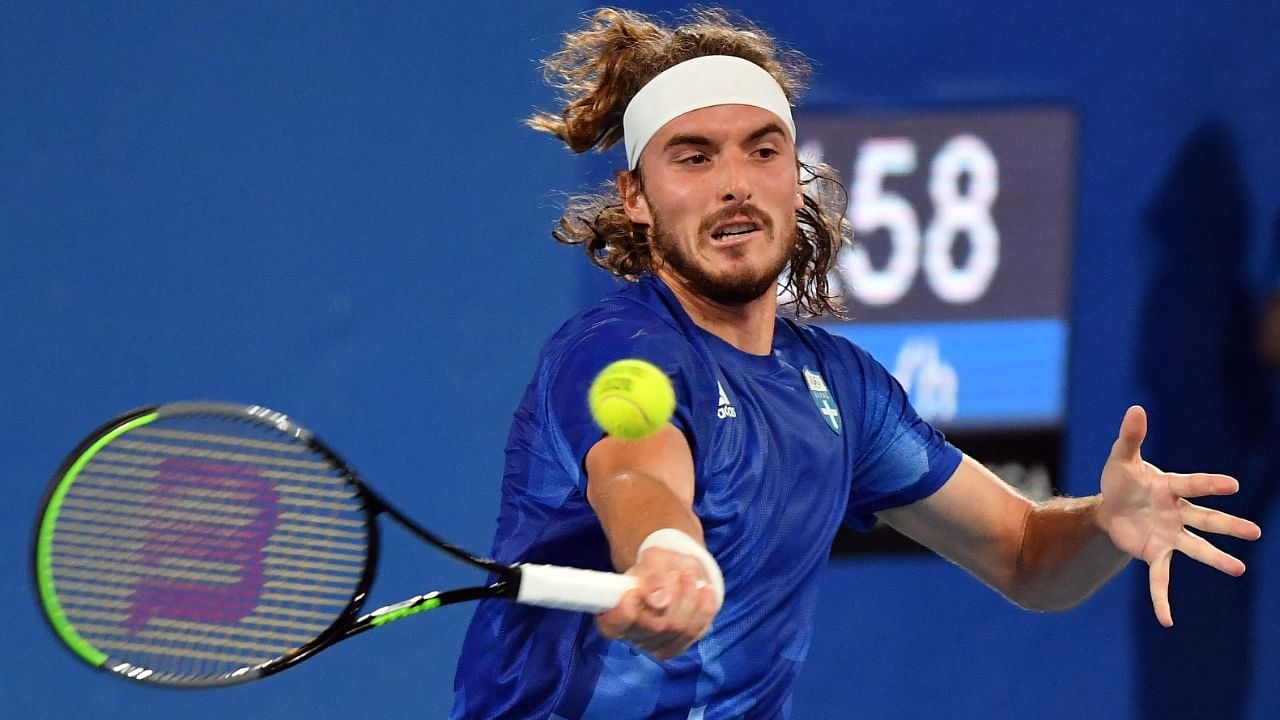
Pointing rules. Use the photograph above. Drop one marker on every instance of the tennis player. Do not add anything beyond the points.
(782, 433)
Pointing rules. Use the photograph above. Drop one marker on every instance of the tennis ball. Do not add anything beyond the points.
(631, 398)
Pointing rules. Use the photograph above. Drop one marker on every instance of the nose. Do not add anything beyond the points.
(734, 182)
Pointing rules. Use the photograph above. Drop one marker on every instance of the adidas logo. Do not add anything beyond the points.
(725, 409)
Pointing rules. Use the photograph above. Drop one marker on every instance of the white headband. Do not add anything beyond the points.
(695, 84)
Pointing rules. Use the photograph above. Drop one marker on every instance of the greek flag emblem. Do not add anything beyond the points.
(823, 399)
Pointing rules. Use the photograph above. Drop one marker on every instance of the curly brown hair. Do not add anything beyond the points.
(600, 67)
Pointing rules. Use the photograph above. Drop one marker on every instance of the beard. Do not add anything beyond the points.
(725, 288)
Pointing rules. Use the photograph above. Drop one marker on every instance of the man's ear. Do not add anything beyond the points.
(634, 202)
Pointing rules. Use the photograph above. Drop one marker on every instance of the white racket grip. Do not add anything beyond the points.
(565, 588)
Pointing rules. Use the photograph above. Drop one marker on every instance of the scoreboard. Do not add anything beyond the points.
(958, 278)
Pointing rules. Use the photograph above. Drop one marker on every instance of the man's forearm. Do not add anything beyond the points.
(638, 486)
(1065, 556)
(631, 506)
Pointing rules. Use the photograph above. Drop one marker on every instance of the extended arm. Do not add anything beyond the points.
(1053, 555)
(1042, 556)
(637, 487)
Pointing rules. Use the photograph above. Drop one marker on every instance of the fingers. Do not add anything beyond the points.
(616, 622)
(662, 632)
(681, 611)
(1158, 579)
(681, 623)
(1198, 549)
(1203, 551)
(1217, 522)
(671, 608)
(1202, 484)
(1133, 430)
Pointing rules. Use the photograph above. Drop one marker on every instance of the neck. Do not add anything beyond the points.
(748, 326)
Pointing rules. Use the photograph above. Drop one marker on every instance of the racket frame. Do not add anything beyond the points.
(347, 623)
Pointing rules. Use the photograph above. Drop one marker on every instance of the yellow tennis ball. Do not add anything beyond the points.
(631, 398)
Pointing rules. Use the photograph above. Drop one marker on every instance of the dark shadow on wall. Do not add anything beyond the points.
(1210, 409)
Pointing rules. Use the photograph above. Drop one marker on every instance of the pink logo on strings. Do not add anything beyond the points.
(233, 540)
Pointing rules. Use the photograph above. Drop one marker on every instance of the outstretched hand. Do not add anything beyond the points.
(1145, 512)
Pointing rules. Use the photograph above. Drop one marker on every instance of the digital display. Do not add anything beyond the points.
(958, 276)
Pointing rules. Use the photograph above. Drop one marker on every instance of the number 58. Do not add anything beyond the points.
(957, 209)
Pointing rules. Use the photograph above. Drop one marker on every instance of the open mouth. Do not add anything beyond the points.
(733, 231)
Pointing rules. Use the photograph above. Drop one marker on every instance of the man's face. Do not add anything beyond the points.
(721, 190)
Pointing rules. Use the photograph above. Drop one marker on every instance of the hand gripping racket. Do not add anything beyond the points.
(198, 544)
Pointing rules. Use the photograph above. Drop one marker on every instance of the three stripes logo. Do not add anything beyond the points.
(724, 408)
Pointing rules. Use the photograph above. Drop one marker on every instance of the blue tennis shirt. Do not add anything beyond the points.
(786, 448)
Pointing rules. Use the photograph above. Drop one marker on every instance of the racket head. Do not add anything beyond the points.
(199, 544)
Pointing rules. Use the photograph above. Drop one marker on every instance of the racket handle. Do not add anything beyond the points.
(564, 588)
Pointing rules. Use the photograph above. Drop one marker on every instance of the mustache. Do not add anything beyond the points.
(747, 210)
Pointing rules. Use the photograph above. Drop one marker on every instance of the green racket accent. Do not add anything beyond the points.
(44, 547)
(383, 619)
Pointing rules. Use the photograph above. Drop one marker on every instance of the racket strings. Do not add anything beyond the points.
(197, 546)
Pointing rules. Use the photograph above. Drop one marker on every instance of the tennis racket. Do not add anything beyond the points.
(199, 544)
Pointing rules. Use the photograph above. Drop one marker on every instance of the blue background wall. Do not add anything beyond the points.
(333, 210)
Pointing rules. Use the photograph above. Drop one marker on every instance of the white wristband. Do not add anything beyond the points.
(678, 541)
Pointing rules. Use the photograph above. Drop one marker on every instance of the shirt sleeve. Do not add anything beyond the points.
(901, 458)
(579, 359)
